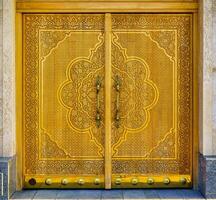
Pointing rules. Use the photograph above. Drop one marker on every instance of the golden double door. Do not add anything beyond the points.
(107, 100)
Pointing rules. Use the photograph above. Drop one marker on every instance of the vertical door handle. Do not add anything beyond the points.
(117, 88)
(98, 115)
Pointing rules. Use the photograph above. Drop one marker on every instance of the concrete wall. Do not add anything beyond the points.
(207, 98)
(214, 76)
(7, 78)
(7, 98)
(207, 77)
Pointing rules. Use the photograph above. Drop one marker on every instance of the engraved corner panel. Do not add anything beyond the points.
(63, 60)
(152, 106)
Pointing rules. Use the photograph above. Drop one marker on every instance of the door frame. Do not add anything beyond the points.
(106, 7)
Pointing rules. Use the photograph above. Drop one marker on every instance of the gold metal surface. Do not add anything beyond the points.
(117, 88)
(72, 182)
(166, 181)
(196, 114)
(150, 181)
(156, 97)
(108, 102)
(104, 6)
(97, 181)
(48, 181)
(81, 181)
(118, 181)
(98, 87)
(19, 102)
(134, 181)
(131, 135)
(64, 181)
(63, 56)
(183, 180)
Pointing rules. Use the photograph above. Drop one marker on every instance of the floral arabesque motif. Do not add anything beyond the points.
(138, 93)
(78, 94)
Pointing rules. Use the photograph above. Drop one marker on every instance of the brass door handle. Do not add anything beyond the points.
(117, 87)
(98, 115)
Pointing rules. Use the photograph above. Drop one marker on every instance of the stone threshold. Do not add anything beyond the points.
(108, 194)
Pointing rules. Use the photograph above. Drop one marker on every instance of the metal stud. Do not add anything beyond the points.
(118, 181)
(32, 181)
(134, 181)
(188, 180)
(81, 181)
(183, 180)
(150, 181)
(64, 181)
(166, 181)
(48, 181)
(97, 181)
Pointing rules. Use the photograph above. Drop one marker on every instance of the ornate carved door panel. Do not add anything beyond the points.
(68, 61)
(152, 100)
(63, 65)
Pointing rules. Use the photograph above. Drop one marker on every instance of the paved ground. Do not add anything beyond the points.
(108, 194)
